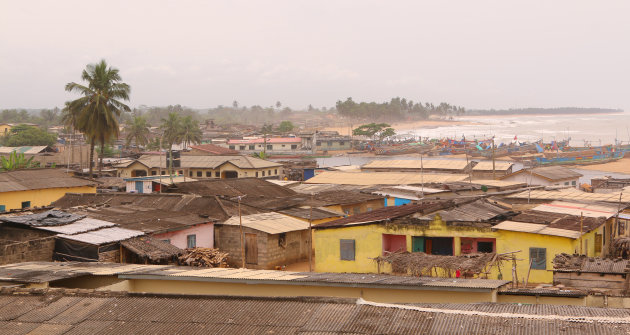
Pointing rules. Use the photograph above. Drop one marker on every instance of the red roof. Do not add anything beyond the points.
(385, 213)
(214, 149)
(269, 140)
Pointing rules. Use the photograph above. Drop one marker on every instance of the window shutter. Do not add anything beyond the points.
(538, 256)
(346, 250)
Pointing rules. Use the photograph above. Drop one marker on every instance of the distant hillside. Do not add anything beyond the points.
(550, 111)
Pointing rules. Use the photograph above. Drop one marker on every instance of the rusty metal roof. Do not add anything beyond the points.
(58, 311)
(415, 164)
(37, 179)
(478, 211)
(383, 178)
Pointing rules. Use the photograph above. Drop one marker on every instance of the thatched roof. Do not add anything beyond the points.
(153, 249)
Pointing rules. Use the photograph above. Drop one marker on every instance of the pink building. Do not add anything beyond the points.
(200, 235)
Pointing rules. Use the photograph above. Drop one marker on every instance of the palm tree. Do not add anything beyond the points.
(98, 108)
(138, 131)
(172, 127)
(190, 131)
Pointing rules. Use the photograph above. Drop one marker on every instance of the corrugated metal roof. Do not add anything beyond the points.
(383, 178)
(437, 164)
(36, 179)
(80, 226)
(58, 312)
(316, 214)
(478, 211)
(498, 183)
(535, 228)
(270, 223)
(571, 194)
(553, 173)
(103, 236)
(24, 150)
(577, 209)
(487, 166)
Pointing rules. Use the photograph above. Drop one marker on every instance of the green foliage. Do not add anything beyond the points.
(261, 155)
(138, 131)
(25, 135)
(97, 111)
(395, 109)
(371, 130)
(17, 161)
(285, 126)
(172, 127)
(190, 132)
(108, 151)
(266, 129)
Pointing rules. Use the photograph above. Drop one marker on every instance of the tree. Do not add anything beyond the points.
(235, 104)
(17, 161)
(380, 130)
(285, 126)
(190, 132)
(266, 129)
(25, 135)
(172, 127)
(138, 131)
(278, 104)
(98, 108)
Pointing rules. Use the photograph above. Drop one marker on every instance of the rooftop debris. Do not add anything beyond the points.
(44, 219)
(580, 263)
(204, 257)
(152, 249)
(621, 247)
(568, 262)
(421, 264)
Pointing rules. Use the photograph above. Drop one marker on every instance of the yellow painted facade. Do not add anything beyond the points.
(39, 198)
(369, 245)
(4, 129)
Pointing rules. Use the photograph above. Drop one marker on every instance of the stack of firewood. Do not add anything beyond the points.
(204, 257)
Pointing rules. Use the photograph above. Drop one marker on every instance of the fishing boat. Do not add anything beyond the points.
(579, 157)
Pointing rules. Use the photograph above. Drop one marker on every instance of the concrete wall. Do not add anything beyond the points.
(270, 254)
(387, 295)
(40, 249)
(39, 198)
(205, 172)
(179, 238)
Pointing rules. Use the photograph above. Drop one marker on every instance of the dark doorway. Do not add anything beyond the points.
(486, 247)
(439, 245)
(230, 174)
(251, 249)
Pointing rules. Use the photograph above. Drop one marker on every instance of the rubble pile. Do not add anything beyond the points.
(204, 257)
(565, 261)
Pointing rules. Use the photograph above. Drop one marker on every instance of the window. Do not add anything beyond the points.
(181, 172)
(269, 147)
(275, 171)
(538, 256)
(189, 173)
(485, 247)
(319, 143)
(293, 146)
(153, 173)
(3, 208)
(341, 143)
(330, 143)
(256, 174)
(199, 174)
(168, 240)
(208, 174)
(356, 210)
(566, 183)
(191, 241)
(217, 174)
(232, 147)
(241, 147)
(270, 172)
(263, 173)
(573, 183)
(283, 145)
(346, 250)
(162, 172)
(394, 243)
(26, 204)
(252, 147)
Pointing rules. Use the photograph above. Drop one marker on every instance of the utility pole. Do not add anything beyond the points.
(422, 176)
(494, 175)
(581, 227)
(310, 237)
(240, 223)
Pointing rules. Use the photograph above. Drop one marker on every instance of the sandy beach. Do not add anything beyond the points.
(619, 166)
(403, 126)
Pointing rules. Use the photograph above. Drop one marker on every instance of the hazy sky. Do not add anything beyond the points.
(478, 54)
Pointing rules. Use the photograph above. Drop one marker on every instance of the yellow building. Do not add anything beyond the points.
(351, 244)
(38, 187)
(5, 128)
(200, 167)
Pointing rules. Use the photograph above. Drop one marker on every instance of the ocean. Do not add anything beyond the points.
(596, 129)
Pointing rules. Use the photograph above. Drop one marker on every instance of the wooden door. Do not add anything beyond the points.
(251, 249)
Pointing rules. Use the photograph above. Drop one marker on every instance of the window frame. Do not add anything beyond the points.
(539, 259)
(346, 256)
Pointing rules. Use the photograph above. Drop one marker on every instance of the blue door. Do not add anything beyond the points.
(399, 201)
(139, 186)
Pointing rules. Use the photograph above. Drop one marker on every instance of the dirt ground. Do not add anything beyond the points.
(619, 166)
